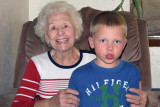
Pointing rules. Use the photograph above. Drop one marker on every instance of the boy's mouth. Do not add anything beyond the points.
(109, 56)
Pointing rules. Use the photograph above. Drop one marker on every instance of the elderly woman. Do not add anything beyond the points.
(47, 75)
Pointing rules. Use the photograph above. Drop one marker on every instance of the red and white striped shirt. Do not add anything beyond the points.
(44, 78)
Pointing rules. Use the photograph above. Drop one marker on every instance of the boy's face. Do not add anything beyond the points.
(108, 42)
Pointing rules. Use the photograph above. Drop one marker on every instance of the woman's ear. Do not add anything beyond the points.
(91, 43)
(46, 37)
(77, 36)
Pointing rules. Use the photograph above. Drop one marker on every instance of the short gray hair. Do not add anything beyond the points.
(54, 7)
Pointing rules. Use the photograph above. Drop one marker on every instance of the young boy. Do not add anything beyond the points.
(105, 81)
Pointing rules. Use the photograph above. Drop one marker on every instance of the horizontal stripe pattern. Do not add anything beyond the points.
(28, 88)
(43, 79)
(30, 81)
(50, 87)
(25, 96)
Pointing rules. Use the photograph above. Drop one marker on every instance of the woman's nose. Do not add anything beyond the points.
(60, 31)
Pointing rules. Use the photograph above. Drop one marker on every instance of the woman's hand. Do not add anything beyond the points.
(64, 98)
(138, 101)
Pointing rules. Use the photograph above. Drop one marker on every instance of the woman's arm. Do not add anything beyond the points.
(28, 88)
(138, 101)
(64, 98)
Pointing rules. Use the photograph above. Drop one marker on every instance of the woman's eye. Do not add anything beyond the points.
(53, 28)
(66, 26)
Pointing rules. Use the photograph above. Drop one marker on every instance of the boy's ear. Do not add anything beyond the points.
(125, 44)
(91, 43)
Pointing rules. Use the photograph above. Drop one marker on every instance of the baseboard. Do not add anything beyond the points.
(155, 89)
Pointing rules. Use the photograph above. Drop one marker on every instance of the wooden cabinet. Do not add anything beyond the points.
(154, 41)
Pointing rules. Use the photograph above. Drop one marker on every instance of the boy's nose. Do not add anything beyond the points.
(109, 46)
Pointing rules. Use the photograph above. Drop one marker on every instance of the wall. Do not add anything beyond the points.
(13, 14)
(36, 5)
(152, 14)
(155, 66)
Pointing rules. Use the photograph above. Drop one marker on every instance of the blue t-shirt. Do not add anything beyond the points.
(104, 87)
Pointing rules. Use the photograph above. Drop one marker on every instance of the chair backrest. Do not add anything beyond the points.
(136, 51)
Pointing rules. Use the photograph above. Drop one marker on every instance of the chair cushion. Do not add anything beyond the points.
(33, 44)
(131, 53)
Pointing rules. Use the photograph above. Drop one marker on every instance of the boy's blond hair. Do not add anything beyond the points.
(108, 18)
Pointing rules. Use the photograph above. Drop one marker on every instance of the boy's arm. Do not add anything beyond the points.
(139, 100)
(72, 81)
(73, 85)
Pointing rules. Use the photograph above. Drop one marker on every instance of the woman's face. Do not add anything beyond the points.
(60, 32)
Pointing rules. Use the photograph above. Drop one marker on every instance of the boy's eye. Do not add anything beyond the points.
(103, 40)
(117, 41)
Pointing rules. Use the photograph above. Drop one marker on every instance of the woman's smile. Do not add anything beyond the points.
(62, 40)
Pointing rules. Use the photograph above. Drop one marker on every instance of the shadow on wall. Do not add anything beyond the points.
(6, 66)
(7, 46)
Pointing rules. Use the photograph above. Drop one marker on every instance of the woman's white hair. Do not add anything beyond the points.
(54, 7)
